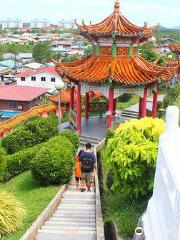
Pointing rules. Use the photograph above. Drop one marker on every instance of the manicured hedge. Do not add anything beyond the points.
(53, 163)
(73, 137)
(33, 132)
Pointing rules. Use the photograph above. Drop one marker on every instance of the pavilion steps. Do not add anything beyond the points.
(86, 139)
(130, 114)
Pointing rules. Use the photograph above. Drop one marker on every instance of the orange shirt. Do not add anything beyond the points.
(77, 168)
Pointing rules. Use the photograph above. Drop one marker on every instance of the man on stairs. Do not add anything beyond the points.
(88, 166)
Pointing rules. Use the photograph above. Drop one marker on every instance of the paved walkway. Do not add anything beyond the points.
(149, 104)
(74, 218)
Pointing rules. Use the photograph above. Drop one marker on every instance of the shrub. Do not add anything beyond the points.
(110, 179)
(19, 162)
(73, 137)
(172, 95)
(53, 163)
(132, 154)
(12, 213)
(2, 162)
(125, 97)
(33, 132)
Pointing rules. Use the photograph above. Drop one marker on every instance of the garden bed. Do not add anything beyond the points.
(34, 197)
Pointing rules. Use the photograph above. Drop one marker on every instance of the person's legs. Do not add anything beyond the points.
(89, 180)
(77, 183)
(83, 182)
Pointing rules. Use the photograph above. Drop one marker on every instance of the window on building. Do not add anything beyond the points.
(23, 79)
(43, 79)
(53, 79)
(12, 105)
(33, 78)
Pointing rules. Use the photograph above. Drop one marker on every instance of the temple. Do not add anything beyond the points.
(114, 68)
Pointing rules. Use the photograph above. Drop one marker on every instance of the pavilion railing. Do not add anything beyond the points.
(98, 107)
(73, 118)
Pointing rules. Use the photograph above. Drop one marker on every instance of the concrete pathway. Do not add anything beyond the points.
(74, 218)
(149, 104)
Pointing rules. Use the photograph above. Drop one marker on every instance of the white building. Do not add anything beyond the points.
(8, 24)
(45, 77)
(39, 24)
(67, 24)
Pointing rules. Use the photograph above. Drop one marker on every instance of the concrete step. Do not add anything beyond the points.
(81, 228)
(90, 138)
(62, 235)
(69, 224)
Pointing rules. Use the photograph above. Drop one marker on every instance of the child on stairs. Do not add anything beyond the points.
(78, 171)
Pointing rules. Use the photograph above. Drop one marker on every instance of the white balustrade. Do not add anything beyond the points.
(162, 218)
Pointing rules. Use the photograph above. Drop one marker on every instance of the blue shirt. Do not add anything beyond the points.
(88, 155)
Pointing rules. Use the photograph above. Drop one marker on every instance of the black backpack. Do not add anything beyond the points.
(87, 164)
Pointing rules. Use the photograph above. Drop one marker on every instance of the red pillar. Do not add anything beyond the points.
(155, 99)
(87, 105)
(140, 105)
(143, 114)
(111, 103)
(114, 105)
(79, 109)
(72, 97)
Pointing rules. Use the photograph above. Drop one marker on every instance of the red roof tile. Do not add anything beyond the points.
(20, 93)
(51, 70)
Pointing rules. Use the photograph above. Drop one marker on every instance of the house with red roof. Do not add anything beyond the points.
(20, 98)
(44, 77)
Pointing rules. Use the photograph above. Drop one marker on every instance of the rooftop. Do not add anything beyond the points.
(116, 24)
(50, 70)
(20, 93)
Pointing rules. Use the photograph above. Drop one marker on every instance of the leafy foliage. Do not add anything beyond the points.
(149, 55)
(172, 95)
(12, 213)
(53, 163)
(132, 154)
(125, 97)
(42, 52)
(73, 137)
(2, 162)
(33, 132)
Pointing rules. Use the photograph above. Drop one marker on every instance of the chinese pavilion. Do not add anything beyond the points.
(175, 48)
(115, 66)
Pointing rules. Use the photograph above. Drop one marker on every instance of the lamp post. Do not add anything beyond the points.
(59, 85)
(170, 58)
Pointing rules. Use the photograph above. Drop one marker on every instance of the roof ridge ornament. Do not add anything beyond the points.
(117, 6)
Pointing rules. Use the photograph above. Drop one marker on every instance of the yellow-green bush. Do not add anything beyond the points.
(132, 154)
(12, 213)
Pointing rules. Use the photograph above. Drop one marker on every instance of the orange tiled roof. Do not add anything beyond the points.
(173, 62)
(11, 123)
(175, 48)
(65, 96)
(125, 70)
(116, 24)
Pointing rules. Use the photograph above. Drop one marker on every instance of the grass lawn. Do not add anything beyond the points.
(34, 197)
(124, 105)
(124, 212)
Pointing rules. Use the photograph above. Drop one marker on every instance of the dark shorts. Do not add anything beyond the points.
(78, 179)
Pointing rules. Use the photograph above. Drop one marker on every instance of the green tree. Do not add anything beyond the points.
(149, 55)
(42, 52)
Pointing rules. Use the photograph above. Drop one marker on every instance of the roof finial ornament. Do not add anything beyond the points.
(116, 6)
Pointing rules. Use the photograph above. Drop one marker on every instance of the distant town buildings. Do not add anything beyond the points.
(40, 24)
(67, 24)
(45, 78)
(9, 24)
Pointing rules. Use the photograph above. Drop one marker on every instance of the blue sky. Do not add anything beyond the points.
(166, 12)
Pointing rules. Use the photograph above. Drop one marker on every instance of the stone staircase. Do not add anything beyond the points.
(74, 218)
(86, 139)
(130, 114)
